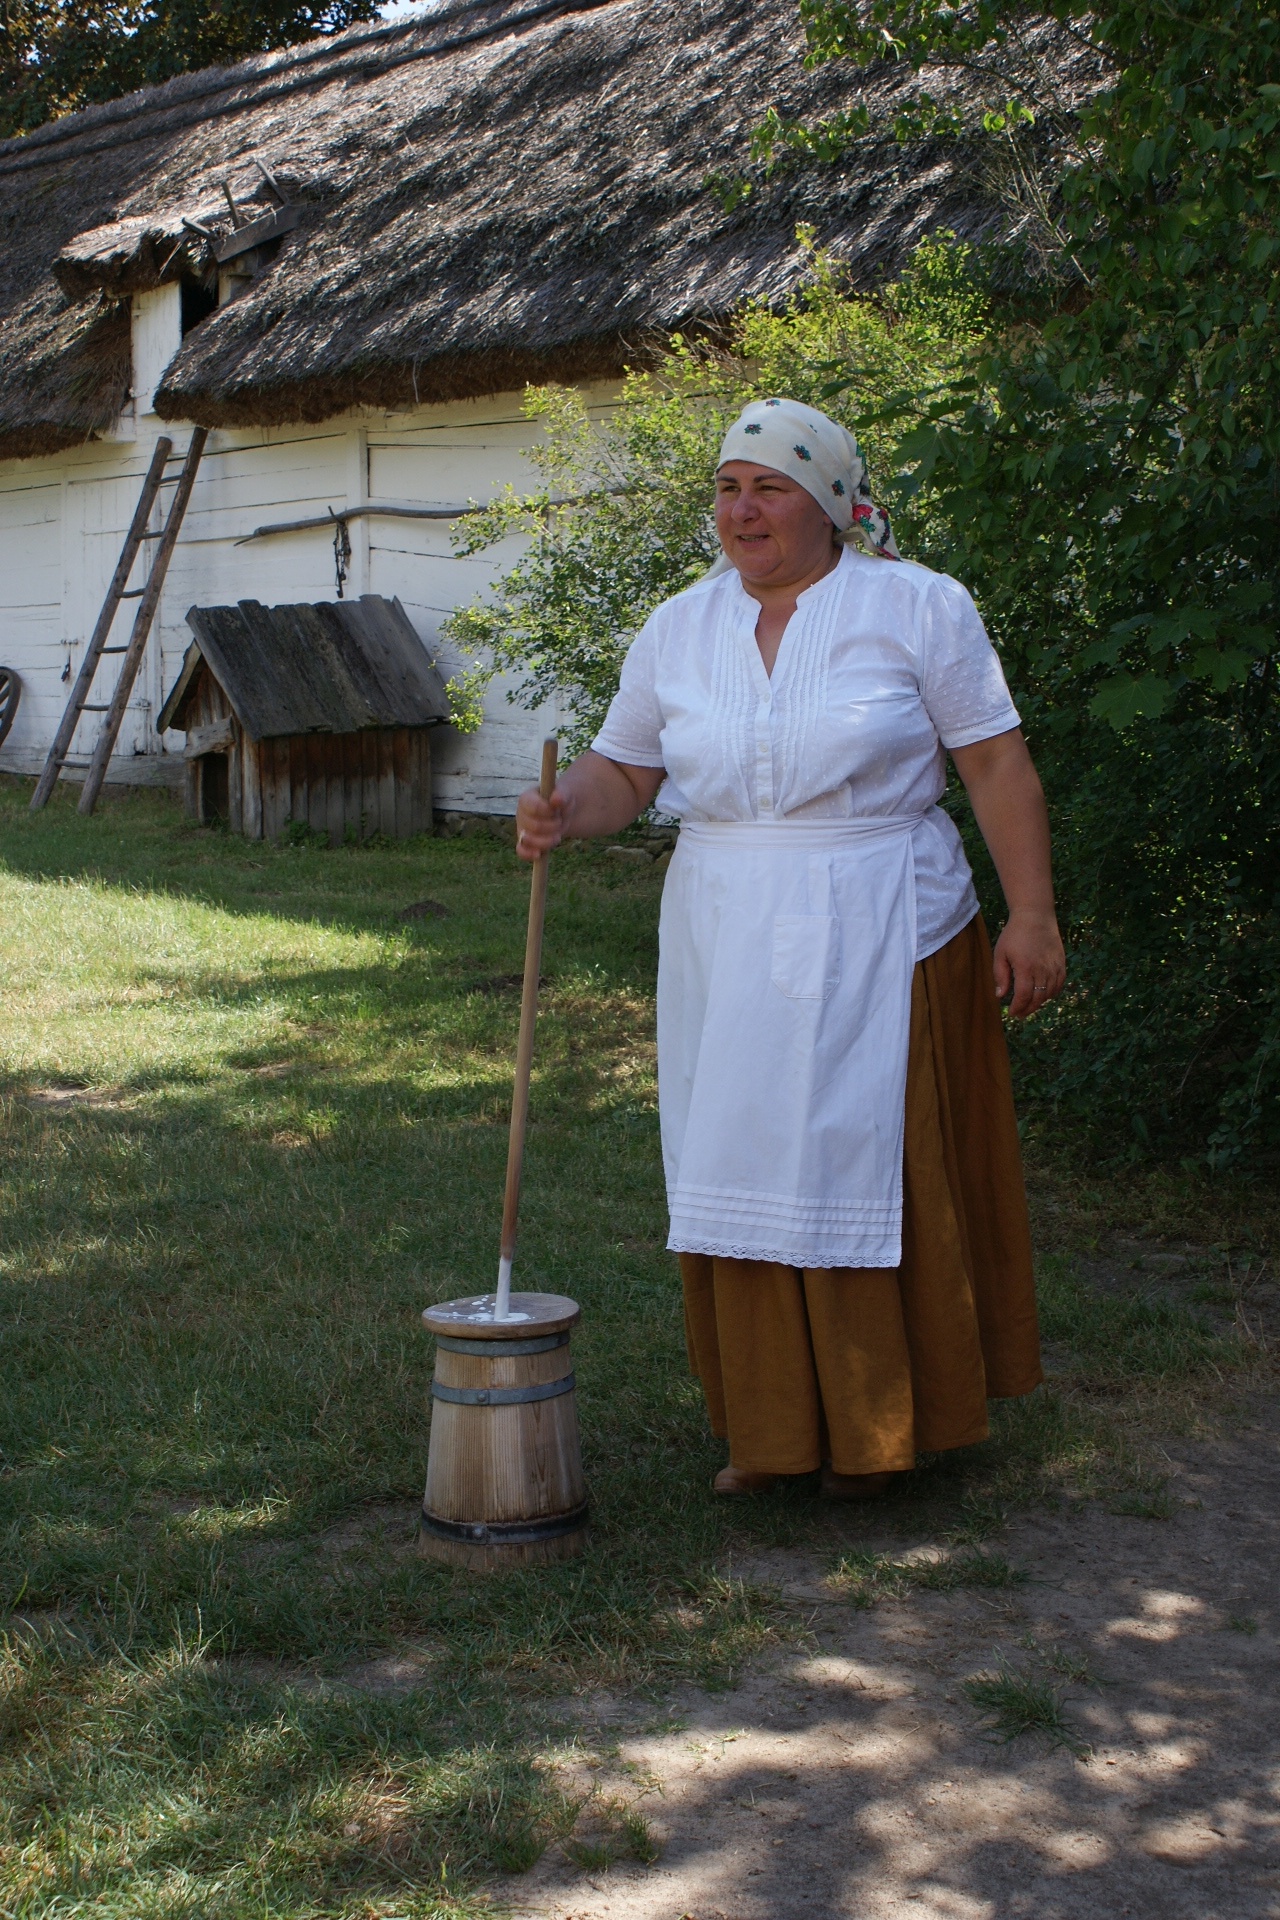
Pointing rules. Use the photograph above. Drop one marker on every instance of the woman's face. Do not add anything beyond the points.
(771, 529)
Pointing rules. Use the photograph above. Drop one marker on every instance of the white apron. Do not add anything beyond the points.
(784, 1003)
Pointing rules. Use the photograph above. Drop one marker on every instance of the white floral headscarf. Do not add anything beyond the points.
(822, 457)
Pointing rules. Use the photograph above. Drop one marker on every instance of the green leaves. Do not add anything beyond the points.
(1126, 697)
(1218, 645)
(775, 138)
(57, 55)
(1003, 119)
(1105, 476)
(1117, 461)
(912, 30)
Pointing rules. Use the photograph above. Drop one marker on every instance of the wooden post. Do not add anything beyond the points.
(524, 1050)
(105, 744)
(98, 639)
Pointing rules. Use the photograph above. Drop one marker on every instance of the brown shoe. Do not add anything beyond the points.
(854, 1486)
(738, 1480)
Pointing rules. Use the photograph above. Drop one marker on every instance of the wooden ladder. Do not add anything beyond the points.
(149, 596)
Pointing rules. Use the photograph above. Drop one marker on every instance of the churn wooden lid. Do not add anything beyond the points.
(530, 1313)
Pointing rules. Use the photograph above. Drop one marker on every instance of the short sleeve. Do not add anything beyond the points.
(962, 683)
(632, 731)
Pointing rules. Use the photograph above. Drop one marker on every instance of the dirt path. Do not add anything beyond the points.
(856, 1779)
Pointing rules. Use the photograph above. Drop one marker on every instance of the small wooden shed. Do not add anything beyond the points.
(318, 715)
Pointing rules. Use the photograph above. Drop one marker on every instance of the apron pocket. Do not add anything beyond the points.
(806, 955)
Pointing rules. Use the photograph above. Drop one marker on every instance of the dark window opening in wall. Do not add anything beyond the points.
(215, 788)
(198, 302)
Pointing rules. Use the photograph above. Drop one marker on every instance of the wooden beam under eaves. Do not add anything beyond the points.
(256, 234)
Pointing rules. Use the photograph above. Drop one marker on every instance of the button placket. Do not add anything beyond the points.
(764, 757)
(762, 717)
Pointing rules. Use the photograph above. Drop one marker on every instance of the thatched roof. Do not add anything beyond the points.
(494, 193)
(335, 667)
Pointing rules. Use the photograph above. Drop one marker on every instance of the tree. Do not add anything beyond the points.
(57, 55)
(1105, 476)
(1138, 425)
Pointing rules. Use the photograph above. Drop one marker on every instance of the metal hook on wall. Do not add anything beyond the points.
(341, 549)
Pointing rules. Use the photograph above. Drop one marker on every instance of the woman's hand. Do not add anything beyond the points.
(540, 824)
(1029, 962)
(1008, 804)
(592, 796)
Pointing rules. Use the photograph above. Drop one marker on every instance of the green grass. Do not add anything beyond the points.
(1017, 1703)
(865, 1577)
(1143, 1336)
(609, 1830)
(251, 1121)
(1152, 1501)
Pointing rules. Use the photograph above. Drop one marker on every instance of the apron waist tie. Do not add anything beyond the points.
(797, 834)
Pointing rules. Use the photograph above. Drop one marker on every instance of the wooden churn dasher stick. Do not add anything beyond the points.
(524, 1049)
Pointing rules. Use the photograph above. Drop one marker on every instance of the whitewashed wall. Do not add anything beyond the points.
(63, 520)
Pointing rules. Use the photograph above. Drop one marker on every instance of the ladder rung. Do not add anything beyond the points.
(103, 650)
(133, 593)
(86, 708)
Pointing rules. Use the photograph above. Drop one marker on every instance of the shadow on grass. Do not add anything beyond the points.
(602, 918)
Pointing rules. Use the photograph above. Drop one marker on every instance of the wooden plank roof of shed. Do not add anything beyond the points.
(333, 667)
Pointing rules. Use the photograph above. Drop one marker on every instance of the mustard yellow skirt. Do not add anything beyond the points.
(866, 1366)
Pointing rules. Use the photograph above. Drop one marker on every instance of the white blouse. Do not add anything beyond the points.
(882, 667)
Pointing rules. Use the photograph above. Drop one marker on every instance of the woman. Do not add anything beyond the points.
(837, 1120)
